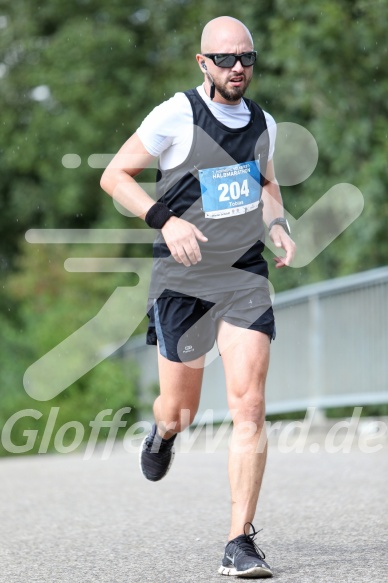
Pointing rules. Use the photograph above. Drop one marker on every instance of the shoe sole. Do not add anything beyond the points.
(168, 467)
(249, 573)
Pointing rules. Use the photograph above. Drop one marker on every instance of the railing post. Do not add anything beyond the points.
(316, 373)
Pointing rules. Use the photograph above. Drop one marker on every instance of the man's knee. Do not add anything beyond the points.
(176, 420)
(248, 407)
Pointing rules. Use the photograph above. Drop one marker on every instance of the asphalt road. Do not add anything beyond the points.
(69, 520)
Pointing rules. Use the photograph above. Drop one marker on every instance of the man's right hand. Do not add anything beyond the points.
(182, 238)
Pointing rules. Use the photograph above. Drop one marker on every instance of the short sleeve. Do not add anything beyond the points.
(160, 128)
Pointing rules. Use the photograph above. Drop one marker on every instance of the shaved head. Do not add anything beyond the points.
(225, 34)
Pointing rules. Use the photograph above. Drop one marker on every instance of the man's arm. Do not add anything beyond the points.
(273, 209)
(118, 181)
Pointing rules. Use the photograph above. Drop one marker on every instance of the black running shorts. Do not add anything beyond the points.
(185, 327)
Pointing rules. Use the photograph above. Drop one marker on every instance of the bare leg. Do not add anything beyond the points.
(180, 390)
(246, 364)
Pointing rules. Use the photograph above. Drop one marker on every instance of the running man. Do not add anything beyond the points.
(216, 189)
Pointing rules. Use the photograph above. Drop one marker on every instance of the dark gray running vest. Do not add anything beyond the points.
(218, 189)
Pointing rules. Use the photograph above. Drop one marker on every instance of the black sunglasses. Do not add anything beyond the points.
(228, 60)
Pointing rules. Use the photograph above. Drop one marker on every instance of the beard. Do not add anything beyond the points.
(232, 93)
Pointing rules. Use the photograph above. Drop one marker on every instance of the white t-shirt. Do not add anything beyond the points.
(167, 131)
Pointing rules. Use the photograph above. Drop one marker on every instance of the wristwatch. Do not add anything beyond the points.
(280, 221)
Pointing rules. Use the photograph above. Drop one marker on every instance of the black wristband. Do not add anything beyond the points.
(158, 215)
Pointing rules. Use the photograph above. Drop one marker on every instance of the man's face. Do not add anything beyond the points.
(231, 83)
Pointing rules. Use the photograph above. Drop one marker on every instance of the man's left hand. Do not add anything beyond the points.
(281, 240)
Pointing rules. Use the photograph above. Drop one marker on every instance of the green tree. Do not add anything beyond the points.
(326, 68)
(52, 305)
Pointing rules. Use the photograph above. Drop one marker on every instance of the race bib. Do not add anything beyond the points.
(230, 190)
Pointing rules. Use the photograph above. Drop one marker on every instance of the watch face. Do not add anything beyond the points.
(287, 227)
(286, 224)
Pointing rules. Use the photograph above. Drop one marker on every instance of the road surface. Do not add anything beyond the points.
(69, 520)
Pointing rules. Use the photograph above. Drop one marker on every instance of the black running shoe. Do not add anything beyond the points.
(243, 558)
(156, 455)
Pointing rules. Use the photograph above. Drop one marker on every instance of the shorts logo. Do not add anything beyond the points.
(188, 349)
